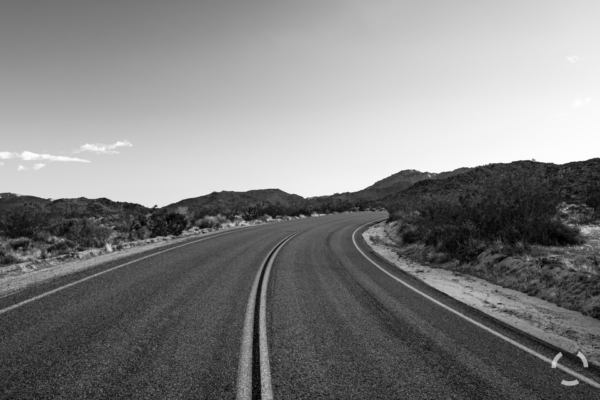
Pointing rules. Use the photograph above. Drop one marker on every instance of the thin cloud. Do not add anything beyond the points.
(1, 164)
(573, 59)
(581, 102)
(29, 156)
(38, 166)
(21, 168)
(100, 148)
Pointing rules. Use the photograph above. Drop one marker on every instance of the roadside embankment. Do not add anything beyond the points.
(16, 277)
(567, 329)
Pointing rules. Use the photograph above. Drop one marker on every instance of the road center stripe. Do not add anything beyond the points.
(244, 381)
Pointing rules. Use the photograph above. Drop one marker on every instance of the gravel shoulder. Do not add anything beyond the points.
(567, 329)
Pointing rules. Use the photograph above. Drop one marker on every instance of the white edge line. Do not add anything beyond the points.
(509, 340)
(14, 306)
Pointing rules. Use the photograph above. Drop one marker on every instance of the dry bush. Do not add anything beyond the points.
(211, 221)
(517, 209)
(166, 223)
(22, 243)
(24, 222)
(85, 232)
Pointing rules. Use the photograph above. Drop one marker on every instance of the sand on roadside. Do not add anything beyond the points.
(567, 329)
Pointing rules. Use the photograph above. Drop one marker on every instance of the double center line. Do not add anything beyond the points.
(254, 362)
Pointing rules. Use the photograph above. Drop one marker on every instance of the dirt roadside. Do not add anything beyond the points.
(14, 278)
(569, 330)
(18, 277)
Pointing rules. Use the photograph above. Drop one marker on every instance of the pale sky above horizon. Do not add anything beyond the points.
(153, 101)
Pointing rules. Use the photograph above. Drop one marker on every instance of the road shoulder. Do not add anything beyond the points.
(17, 278)
(566, 329)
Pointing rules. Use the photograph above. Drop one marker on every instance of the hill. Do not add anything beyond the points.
(102, 207)
(393, 185)
(79, 207)
(10, 201)
(232, 202)
(577, 182)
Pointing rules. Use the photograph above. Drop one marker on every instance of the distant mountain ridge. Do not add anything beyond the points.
(394, 184)
(9, 195)
(406, 178)
(10, 201)
(78, 206)
(95, 207)
(229, 200)
(237, 200)
(576, 181)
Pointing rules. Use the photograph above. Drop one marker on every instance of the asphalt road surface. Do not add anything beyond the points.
(189, 323)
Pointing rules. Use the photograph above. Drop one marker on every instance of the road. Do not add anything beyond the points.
(176, 325)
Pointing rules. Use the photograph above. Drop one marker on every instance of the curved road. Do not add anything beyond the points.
(173, 325)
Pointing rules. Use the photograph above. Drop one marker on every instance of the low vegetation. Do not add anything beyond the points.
(512, 228)
(35, 231)
(512, 210)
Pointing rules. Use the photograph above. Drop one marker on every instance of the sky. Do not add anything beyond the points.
(156, 101)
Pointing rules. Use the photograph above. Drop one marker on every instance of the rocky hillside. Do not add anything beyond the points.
(404, 179)
(236, 201)
(102, 207)
(10, 201)
(577, 182)
(80, 207)
(394, 184)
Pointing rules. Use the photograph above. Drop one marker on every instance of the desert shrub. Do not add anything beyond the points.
(61, 246)
(140, 234)
(138, 228)
(86, 233)
(6, 258)
(253, 212)
(592, 199)
(176, 223)
(166, 223)
(190, 216)
(121, 224)
(44, 237)
(576, 213)
(411, 235)
(265, 218)
(210, 221)
(24, 222)
(517, 209)
(19, 243)
(554, 232)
